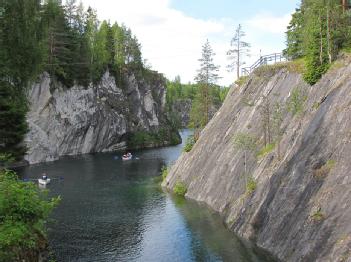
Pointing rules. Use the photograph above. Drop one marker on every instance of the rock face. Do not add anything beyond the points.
(182, 108)
(98, 118)
(299, 207)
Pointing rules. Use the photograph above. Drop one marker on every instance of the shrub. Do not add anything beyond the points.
(317, 216)
(266, 150)
(245, 101)
(164, 172)
(24, 210)
(314, 71)
(180, 189)
(242, 80)
(295, 103)
(190, 142)
(296, 66)
(244, 141)
(325, 169)
(6, 158)
(251, 186)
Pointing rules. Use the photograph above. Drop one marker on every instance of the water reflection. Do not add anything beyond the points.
(115, 211)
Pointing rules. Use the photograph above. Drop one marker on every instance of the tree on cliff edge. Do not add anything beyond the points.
(239, 49)
(206, 78)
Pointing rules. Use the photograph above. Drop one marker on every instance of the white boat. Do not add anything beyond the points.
(127, 157)
(44, 180)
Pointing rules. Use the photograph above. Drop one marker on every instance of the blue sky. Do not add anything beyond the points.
(172, 32)
(209, 9)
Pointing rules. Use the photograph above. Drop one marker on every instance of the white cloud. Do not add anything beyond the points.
(269, 23)
(171, 41)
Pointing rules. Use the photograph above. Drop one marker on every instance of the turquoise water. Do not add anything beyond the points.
(115, 211)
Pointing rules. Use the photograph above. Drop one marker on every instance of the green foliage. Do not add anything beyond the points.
(13, 125)
(241, 80)
(20, 59)
(294, 36)
(190, 142)
(245, 142)
(140, 139)
(324, 170)
(164, 172)
(6, 158)
(206, 78)
(247, 102)
(24, 210)
(314, 71)
(180, 189)
(266, 150)
(317, 215)
(239, 49)
(318, 31)
(296, 101)
(251, 186)
(176, 92)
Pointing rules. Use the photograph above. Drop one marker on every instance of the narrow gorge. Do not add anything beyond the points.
(97, 118)
(294, 198)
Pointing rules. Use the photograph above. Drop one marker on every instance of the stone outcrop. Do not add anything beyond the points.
(298, 203)
(97, 118)
(182, 108)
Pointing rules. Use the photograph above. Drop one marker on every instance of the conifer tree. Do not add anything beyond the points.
(207, 76)
(239, 49)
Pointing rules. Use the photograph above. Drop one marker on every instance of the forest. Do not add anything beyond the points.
(69, 42)
(318, 31)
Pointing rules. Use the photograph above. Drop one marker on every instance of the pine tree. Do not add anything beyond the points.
(20, 61)
(239, 49)
(318, 31)
(294, 36)
(207, 76)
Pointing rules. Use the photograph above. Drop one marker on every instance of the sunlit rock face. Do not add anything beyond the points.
(94, 118)
(300, 205)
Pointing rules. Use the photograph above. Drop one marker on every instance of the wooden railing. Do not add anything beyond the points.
(264, 60)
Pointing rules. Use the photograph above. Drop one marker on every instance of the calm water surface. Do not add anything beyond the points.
(115, 211)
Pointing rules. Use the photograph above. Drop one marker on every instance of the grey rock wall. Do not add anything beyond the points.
(97, 118)
(301, 207)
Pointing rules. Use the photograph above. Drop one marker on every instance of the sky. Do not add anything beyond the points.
(172, 32)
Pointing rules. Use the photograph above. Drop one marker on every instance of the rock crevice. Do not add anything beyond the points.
(300, 207)
(98, 118)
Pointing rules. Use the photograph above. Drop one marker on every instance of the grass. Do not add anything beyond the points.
(164, 173)
(180, 189)
(266, 150)
(251, 186)
(246, 102)
(295, 66)
(316, 105)
(317, 216)
(324, 170)
(190, 142)
(296, 102)
(241, 80)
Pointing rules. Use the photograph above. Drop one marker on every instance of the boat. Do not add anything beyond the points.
(44, 180)
(126, 157)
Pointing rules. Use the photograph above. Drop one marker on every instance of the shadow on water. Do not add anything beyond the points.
(115, 211)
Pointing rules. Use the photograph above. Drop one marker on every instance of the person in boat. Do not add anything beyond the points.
(44, 177)
(127, 154)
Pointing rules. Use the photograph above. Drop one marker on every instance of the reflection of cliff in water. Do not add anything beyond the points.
(207, 227)
(114, 210)
(103, 207)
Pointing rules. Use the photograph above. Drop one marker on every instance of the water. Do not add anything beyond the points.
(115, 211)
